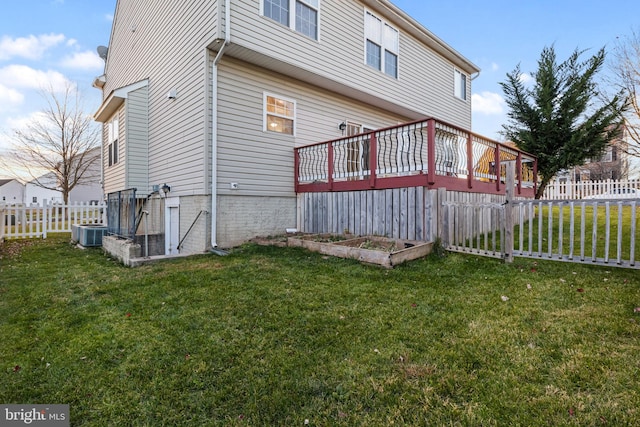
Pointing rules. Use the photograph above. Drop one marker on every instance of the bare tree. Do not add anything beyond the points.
(626, 77)
(62, 141)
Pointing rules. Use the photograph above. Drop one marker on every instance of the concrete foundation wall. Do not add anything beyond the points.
(123, 250)
(196, 221)
(241, 218)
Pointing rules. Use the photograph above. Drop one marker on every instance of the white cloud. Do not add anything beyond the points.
(87, 60)
(21, 123)
(109, 17)
(9, 98)
(526, 78)
(31, 47)
(22, 76)
(487, 103)
(494, 66)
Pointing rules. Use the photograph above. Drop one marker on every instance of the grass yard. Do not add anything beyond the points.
(272, 336)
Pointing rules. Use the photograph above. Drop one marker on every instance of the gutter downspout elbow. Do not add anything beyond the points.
(214, 124)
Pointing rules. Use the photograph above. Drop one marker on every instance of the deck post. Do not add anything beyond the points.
(296, 172)
(373, 159)
(431, 151)
(330, 166)
(470, 160)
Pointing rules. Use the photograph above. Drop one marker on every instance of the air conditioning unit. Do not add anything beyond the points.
(88, 235)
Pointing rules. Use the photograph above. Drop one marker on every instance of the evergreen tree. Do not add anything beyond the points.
(560, 118)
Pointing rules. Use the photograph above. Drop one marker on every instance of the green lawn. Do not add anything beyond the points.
(277, 336)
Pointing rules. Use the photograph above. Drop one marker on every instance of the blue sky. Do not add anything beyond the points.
(48, 41)
(497, 35)
(45, 41)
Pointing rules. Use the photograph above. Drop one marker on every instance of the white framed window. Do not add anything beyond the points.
(382, 45)
(113, 130)
(299, 15)
(279, 114)
(460, 84)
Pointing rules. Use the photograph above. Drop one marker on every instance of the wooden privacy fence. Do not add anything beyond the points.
(594, 231)
(20, 222)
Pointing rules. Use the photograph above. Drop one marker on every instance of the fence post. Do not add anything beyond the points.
(441, 232)
(45, 219)
(508, 211)
(2, 223)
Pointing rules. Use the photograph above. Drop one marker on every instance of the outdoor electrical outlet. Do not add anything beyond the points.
(234, 186)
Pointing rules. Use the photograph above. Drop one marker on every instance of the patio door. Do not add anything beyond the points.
(357, 151)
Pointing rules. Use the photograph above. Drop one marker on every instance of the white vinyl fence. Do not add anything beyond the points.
(563, 190)
(21, 222)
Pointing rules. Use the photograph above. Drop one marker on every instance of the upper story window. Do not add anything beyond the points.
(382, 45)
(279, 114)
(112, 141)
(304, 20)
(460, 84)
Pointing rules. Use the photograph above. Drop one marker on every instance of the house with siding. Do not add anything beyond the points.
(11, 191)
(204, 102)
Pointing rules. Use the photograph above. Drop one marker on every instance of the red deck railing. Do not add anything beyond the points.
(427, 153)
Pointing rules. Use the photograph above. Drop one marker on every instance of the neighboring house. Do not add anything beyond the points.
(11, 191)
(35, 194)
(614, 163)
(88, 190)
(207, 100)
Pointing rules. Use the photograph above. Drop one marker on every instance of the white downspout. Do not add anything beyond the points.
(214, 123)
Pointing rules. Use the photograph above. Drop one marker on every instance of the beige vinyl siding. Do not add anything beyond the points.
(262, 162)
(425, 83)
(150, 37)
(137, 147)
(115, 175)
(166, 44)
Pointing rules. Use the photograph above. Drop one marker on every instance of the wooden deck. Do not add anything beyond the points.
(426, 153)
